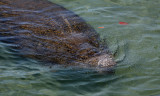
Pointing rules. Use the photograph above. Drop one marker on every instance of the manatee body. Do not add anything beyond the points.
(46, 31)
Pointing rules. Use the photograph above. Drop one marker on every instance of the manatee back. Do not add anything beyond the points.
(44, 30)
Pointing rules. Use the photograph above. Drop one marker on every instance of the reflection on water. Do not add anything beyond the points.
(136, 75)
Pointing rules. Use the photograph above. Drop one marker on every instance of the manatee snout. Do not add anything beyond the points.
(102, 63)
(105, 61)
(106, 64)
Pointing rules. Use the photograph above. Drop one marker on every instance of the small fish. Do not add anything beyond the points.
(100, 27)
(123, 23)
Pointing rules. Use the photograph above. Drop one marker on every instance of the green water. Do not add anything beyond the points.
(137, 46)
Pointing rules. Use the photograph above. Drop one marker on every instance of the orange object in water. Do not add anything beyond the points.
(100, 27)
(123, 23)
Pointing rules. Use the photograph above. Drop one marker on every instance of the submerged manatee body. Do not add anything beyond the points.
(49, 32)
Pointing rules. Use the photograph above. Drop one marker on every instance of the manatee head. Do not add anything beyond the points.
(103, 63)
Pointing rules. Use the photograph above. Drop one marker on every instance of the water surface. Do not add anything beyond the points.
(136, 46)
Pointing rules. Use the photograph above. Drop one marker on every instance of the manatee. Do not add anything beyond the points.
(49, 32)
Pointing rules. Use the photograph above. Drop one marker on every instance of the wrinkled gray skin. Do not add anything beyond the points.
(49, 32)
